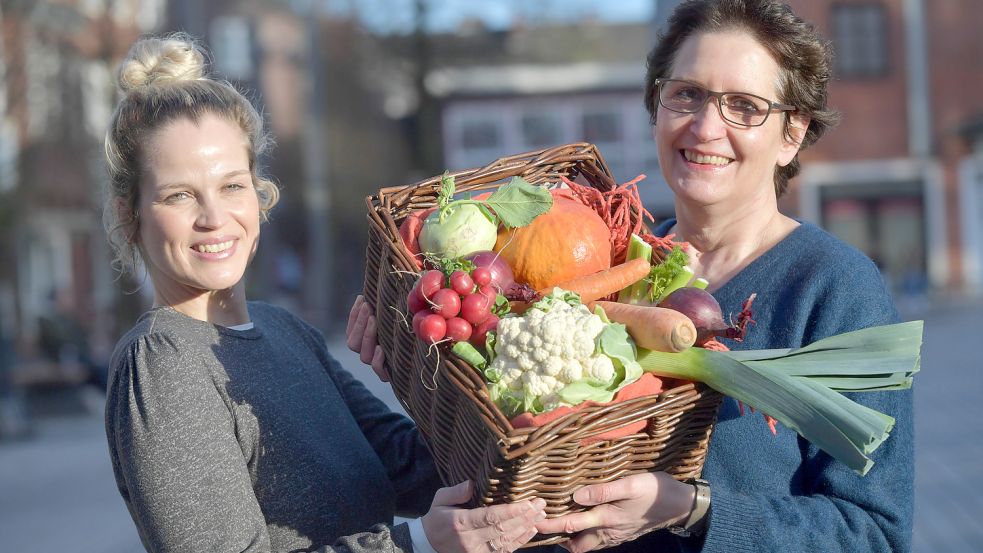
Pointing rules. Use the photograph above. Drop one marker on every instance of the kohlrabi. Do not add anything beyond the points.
(460, 227)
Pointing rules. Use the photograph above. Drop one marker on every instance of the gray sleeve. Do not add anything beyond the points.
(179, 466)
(177, 461)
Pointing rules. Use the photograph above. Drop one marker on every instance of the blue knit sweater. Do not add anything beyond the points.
(781, 493)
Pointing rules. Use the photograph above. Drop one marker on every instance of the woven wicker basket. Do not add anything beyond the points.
(468, 435)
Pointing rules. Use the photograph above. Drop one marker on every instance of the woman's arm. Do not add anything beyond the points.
(824, 506)
(176, 459)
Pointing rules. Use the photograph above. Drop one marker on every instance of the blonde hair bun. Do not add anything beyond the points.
(161, 61)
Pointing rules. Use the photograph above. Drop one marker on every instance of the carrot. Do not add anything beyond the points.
(409, 232)
(603, 283)
(653, 328)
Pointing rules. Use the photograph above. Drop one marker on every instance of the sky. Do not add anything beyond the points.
(395, 16)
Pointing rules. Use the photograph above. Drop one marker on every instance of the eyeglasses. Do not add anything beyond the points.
(739, 108)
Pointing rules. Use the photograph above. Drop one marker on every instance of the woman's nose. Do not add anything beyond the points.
(212, 214)
(708, 123)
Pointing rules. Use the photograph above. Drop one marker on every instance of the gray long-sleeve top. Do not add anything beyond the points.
(256, 440)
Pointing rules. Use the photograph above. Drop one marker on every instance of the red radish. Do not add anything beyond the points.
(414, 301)
(418, 318)
(502, 276)
(446, 302)
(489, 292)
(430, 282)
(482, 276)
(702, 308)
(481, 330)
(458, 329)
(461, 283)
(475, 308)
(433, 328)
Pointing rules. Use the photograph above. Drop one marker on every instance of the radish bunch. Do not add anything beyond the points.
(457, 308)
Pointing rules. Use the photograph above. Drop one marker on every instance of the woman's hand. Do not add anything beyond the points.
(624, 510)
(499, 528)
(361, 337)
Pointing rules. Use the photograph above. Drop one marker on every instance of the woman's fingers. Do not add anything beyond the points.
(495, 529)
(379, 364)
(630, 487)
(353, 314)
(357, 332)
(572, 523)
(506, 527)
(583, 542)
(367, 348)
(454, 495)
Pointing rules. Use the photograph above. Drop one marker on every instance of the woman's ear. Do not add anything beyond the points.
(792, 140)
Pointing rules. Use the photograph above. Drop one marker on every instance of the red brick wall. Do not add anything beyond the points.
(874, 118)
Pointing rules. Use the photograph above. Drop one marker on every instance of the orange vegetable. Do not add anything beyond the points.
(409, 233)
(601, 284)
(653, 328)
(568, 241)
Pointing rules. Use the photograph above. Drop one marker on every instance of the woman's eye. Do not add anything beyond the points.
(689, 93)
(744, 105)
(234, 186)
(176, 197)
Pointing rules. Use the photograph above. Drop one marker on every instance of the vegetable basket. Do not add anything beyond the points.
(469, 437)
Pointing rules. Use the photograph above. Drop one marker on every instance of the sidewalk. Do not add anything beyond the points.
(57, 491)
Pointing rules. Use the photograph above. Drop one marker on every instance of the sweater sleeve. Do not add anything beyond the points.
(833, 508)
(397, 442)
(176, 458)
(180, 467)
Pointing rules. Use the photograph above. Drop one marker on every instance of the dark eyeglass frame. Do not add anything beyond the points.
(772, 105)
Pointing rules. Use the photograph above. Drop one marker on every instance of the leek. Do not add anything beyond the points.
(637, 248)
(801, 387)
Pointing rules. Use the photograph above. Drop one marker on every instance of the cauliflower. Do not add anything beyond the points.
(554, 344)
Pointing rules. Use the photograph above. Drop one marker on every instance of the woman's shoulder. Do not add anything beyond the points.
(818, 249)
(162, 327)
(270, 316)
(161, 352)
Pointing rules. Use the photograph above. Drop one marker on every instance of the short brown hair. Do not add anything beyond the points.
(804, 59)
(163, 79)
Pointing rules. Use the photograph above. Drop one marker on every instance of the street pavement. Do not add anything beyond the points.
(57, 491)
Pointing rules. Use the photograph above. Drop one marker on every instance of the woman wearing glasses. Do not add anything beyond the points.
(735, 89)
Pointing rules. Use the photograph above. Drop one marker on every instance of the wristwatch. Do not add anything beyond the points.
(696, 522)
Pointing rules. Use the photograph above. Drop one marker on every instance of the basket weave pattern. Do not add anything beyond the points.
(468, 435)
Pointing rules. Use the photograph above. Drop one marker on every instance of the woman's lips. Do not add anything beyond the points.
(215, 250)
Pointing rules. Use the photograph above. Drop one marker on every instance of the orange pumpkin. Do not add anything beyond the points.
(568, 241)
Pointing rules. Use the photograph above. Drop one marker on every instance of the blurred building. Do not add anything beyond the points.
(901, 175)
(57, 93)
(900, 178)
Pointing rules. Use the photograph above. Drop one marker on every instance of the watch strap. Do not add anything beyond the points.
(695, 523)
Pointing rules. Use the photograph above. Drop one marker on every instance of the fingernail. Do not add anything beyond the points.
(539, 503)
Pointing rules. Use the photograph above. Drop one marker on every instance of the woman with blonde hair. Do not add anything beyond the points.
(230, 426)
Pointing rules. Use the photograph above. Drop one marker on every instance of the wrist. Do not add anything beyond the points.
(694, 523)
(418, 537)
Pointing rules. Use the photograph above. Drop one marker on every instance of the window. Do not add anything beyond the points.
(540, 130)
(860, 39)
(480, 133)
(602, 127)
(232, 47)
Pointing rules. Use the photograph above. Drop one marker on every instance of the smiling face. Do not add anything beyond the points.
(706, 160)
(198, 211)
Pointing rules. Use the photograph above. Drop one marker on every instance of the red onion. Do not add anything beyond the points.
(702, 308)
(502, 275)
